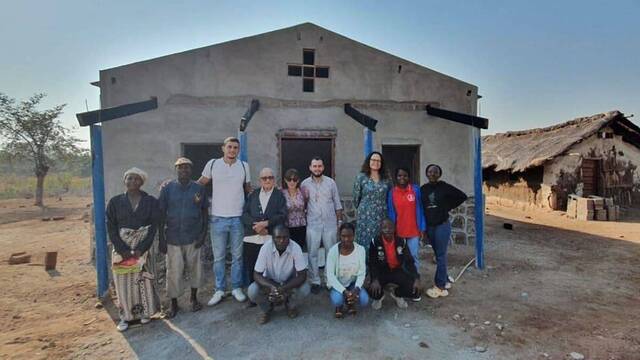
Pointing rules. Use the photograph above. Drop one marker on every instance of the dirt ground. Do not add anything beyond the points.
(552, 286)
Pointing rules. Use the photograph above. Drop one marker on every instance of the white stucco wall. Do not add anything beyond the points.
(203, 93)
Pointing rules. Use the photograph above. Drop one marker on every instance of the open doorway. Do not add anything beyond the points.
(298, 147)
(407, 156)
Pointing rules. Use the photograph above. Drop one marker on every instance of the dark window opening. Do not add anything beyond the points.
(605, 135)
(308, 57)
(307, 85)
(322, 72)
(113, 80)
(296, 152)
(295, 70)
(308, 71)
(200, 154)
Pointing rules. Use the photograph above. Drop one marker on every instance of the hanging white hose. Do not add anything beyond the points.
(463, 270)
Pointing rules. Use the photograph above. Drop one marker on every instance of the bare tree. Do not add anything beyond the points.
(35, 136)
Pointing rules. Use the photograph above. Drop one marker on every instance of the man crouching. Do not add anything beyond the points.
(279, 276)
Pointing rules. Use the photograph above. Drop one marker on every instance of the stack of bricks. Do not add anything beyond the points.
(592, 208)
(585, 209)
(613, 211)
(572, 206)
(600, 213)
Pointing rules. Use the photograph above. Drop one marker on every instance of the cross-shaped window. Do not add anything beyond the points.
(308, 70)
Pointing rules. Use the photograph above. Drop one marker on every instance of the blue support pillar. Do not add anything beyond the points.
(97, 181)
(368, 142)
(244, 149)
(479, 200)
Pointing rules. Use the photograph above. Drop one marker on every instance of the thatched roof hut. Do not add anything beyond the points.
(517, 151)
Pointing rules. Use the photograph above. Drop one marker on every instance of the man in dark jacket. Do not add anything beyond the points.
(265, 208)
(183, 203)
(390, 262)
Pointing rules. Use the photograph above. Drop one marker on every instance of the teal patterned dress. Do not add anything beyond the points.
(370, 200)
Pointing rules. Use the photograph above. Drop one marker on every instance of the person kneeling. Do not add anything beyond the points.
(279, 275)
(390, 262)
(346, 270)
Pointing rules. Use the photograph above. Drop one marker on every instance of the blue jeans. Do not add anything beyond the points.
(337, 299)
(439, 238)
(227, 230)
(413, 244)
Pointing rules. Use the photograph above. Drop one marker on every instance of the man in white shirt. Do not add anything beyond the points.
(324, 216)
(230, 181)
(279, 275)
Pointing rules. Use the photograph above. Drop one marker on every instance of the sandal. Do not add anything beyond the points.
(292, 313)
(339, 313)
(195, 306)
(352, 310)
(264, 318)
(169, 314)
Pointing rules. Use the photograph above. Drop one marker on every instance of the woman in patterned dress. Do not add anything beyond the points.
(132, 224)
(370, 198)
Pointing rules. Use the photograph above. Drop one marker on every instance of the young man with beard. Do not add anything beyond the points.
(324, 216)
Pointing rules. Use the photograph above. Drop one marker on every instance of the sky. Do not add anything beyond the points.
(535, 63)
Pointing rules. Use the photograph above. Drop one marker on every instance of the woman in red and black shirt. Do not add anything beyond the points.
(405, 210)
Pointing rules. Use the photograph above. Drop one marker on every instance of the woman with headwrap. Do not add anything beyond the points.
(132, 223)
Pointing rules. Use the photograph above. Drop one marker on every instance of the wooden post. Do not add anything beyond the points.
(97, 181)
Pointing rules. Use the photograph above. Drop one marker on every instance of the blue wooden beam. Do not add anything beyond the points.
(479, 200)
(99, 220)
(244, 148)
(368, 142)
(102, 115)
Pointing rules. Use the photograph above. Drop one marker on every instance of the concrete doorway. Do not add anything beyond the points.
(298, 147)
(407, 156)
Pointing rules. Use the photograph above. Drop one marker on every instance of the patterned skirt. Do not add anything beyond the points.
(137, 298)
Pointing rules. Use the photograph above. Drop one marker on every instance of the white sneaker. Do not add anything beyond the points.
(216, 298)
(239, 295)
(122, 326)
(377, 304)
(145, 321)
(400, 302)
(436, 292)
(448, 285)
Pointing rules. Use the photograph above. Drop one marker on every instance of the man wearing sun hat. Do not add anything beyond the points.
(183, 203)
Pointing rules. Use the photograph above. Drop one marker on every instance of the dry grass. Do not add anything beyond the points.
(15, 186)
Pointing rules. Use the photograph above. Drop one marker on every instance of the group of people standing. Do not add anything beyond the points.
(274, 236)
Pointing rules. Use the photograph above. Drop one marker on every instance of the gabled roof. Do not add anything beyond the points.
(301, 26)
(517, 151)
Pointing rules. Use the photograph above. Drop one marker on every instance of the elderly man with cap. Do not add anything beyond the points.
(183, 203)
(132, 223)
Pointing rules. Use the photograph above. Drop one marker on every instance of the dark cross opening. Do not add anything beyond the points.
(308, 70)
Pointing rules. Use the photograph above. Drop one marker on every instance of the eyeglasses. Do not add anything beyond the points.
(375, 160)
(265, 178)
(292, 179)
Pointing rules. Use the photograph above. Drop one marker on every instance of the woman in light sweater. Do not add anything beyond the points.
(346, 269)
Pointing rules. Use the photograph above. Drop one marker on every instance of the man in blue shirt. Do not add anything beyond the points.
(183, 203)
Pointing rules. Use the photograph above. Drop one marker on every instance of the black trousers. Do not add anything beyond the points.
(397, 277)
(299, 235)
(249, 257)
